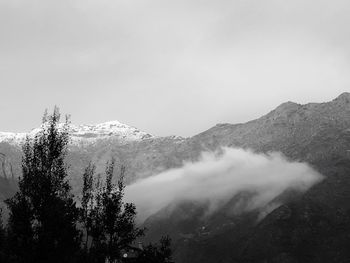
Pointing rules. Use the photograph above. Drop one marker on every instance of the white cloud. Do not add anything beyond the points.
(217, 178)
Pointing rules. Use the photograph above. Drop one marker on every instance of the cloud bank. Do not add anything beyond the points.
(217, 177)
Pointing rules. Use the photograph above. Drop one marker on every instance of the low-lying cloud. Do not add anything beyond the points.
(217, 177)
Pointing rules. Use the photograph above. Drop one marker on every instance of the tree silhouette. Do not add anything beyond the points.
(109, 220)
(43, 213)
(157, 253)
(87, 202)
(44, 218)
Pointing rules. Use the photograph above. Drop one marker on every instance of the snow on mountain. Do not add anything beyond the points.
(12, 138)
(87, 134)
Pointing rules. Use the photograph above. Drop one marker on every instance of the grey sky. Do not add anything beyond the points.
(168, 67)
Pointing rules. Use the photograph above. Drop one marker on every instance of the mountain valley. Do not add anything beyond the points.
(310, 227)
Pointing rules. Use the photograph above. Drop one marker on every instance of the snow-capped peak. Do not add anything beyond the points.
(82, 134)
(106, 129)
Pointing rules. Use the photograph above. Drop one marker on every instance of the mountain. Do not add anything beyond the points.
(86, 134)
(88, 142)
(301, 132)
(309, 228)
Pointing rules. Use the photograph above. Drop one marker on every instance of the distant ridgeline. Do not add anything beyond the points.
(309, 228)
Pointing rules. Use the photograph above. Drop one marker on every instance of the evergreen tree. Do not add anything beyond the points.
(43, 214)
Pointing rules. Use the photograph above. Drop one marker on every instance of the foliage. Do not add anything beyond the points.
(43, 213)
(109, 221)
(46, 225)
(157, 253)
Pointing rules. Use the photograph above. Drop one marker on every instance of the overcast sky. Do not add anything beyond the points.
(168, 67)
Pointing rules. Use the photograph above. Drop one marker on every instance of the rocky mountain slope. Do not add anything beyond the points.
(299, 131)
(309, 228)
(317, 133)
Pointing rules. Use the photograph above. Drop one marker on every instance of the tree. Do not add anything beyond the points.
(118, 217)
(43, 213)
(44, 218)
(87, 202)
(3, 256)
(157, 253)
(109, 221)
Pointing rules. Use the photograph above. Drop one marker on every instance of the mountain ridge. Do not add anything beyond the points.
(291, 128)
(130, 133)
(316, 133)
(86, 133)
